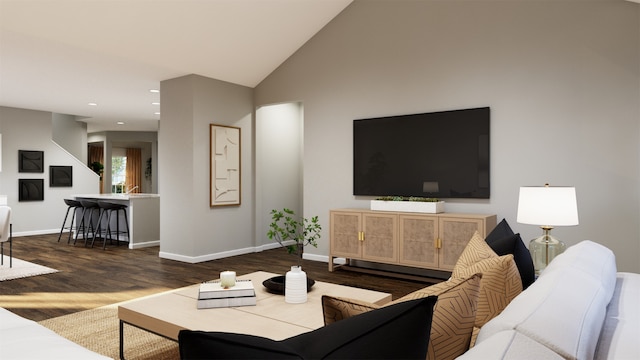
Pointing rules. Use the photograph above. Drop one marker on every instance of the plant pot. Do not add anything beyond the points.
(408, 206)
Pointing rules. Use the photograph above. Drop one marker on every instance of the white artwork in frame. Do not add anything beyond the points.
(225, 165)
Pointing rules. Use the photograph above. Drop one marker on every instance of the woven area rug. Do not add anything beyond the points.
(21, 269)
(98, 330)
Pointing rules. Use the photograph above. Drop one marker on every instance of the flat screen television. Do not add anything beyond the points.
(439, 154)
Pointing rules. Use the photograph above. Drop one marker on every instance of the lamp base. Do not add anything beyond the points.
(543, 250)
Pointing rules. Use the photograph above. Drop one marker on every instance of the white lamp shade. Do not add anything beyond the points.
(548, 206)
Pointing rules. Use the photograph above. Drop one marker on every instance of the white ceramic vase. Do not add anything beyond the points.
(295, 286)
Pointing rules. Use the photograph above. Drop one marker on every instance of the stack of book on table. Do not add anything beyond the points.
(213, 295)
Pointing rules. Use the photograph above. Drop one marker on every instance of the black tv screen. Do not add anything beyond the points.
(440, 154)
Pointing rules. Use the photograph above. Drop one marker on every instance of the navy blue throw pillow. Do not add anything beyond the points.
(503, 241)
(399, 331)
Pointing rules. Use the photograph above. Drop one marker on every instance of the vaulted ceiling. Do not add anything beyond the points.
(63, 55)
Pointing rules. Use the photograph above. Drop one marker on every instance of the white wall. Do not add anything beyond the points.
(561, 78)
(278, 163)
(32, 130)
(190, 230)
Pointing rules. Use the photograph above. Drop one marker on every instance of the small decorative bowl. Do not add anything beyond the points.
(275, 285)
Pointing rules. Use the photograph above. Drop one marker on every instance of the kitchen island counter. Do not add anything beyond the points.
(143, 212)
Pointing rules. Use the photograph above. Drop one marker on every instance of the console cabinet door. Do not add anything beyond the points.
(454, 235)
(417, 241)
(345, 229)
(380, 237)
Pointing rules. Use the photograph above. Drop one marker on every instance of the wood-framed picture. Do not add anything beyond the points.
(30, 189)
(224, 180)
(60, 176)
(30, 161)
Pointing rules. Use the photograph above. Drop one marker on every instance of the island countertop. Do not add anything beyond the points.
(143, 212)
(117, 196)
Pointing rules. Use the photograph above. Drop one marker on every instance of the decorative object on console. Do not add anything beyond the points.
(408, 204)
(547, 206)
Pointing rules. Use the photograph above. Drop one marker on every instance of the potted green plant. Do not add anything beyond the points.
(293, 232)
(97, 167)
(408, 204)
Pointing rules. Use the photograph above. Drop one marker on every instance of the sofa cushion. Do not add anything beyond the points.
(500, 278)
(621, 329)
(22, 338)
(453, 315)
(503, 241)
(565, 308)
(510, 344)
(502, 230)
(397, 331)
(590, 258)
(475, 250)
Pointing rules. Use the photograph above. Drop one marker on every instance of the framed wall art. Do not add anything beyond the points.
(30, 161)
(60, 176)
(30, 189)
(224, 178)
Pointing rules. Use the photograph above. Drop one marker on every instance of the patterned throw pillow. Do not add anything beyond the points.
(453, 317)
(500, 279)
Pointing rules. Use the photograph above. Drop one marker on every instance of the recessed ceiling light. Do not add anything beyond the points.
(154, 90)
(92, 104)
(155, 103)
(156, 113)
(120, 123)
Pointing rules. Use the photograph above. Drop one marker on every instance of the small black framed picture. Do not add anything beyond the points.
(30, 189)
(30, 161)
(60, 176)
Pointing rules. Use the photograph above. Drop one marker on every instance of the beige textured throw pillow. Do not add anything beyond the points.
(453, 317)
(500, 279)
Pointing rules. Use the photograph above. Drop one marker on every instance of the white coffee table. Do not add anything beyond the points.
(167, 313)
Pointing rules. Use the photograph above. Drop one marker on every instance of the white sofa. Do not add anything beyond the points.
(21, 338)
(579, 308)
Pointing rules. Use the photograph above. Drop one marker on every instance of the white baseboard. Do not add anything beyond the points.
(224, 254)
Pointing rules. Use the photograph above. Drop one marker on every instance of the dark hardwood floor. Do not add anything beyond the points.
(92, 277)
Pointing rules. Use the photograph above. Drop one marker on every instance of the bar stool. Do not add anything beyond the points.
(88, 208)
(71, 204)
(109, 208)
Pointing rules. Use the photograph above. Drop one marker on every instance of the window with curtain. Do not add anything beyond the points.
(134, 170)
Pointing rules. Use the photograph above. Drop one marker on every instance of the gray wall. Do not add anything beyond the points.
(190, 230)
(70, 134)
(32, 130)
(147, 141)
(562, 80)
(279, 167)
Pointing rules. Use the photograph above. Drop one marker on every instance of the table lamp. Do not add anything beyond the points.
(547, 206)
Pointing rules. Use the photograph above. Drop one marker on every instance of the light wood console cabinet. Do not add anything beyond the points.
(428, 241)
